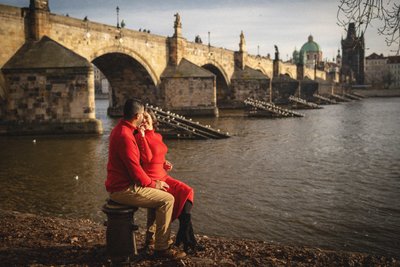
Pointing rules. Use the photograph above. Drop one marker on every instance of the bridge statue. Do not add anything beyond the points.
(276, 52)
(39, 4)
(177, 20)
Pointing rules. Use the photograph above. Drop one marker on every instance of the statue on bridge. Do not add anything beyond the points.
(276, 52)
(39, 4)
(198, 40)
(177, 20)
(177, 25)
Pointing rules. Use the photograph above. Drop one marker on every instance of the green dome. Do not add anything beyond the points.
(310, 46)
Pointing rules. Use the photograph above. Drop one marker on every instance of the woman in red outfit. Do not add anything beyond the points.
(152, 156)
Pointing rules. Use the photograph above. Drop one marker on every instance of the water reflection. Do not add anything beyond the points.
(330, 179)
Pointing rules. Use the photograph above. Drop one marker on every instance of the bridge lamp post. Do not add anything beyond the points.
(209, 46)
(118, 17)
(119, 36)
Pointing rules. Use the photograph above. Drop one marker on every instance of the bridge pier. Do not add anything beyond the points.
(50, 90)
(189, 90)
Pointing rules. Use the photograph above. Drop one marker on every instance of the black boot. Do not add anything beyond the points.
(186, 235)
(192, 245)
(180, 236)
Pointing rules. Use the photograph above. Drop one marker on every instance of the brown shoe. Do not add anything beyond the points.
(169, 253)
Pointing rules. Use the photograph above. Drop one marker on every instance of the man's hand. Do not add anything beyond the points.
(161, 185)
(168, 165)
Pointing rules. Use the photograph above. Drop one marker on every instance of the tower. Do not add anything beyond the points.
(241, 56)
(39, 12)
(353, 52)
(338, 58)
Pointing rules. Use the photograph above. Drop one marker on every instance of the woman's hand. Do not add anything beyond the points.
(142, 128)
(168, 165)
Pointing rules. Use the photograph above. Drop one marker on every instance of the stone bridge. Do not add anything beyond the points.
(46, 82)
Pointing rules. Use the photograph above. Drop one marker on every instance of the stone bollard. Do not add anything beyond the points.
(120, 233)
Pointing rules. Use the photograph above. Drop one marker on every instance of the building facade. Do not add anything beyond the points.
(382, 72)
(394, 72)
(376, 69)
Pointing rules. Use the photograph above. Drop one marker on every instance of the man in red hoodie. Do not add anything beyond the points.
(128, 184)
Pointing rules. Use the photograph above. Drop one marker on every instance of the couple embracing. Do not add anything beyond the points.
(137, 175)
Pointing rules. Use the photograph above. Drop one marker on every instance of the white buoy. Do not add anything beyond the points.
(76, 177)
(34, 141)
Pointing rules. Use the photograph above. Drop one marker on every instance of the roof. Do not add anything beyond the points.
(393, 60)
(310, 46)
(248, 74)
(375, 56)
(186, 69)
(45, 54)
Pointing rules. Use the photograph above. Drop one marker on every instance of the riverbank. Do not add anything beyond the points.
(31, 240)
(378, 92)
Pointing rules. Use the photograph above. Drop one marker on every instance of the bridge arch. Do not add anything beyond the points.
(128, 78)
(262, 70)
(288, 74)
(132, 53)
(222, 83)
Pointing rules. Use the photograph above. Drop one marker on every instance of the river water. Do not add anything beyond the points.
(330, 179)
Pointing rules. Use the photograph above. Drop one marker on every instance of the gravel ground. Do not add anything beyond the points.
(31, 240)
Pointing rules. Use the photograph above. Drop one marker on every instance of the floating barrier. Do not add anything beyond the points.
(262, 108)
(357, 94)
(324, 100)
(351, 96)
(302, 103)
(185, 128)
(340, 98)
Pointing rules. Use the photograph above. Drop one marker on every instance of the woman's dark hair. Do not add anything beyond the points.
(153, 117)
(131, 108)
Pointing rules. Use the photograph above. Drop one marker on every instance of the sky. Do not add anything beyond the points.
(265, 23)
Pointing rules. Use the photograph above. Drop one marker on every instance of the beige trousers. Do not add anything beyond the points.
(146, 197)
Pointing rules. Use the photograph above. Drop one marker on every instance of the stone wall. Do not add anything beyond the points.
(242, 89)
(264, 64)
(282, 88)
(190, 96)
(12, 36)
(326, 88)
(307, 89)
(51, 101)
(12, 31)
(221, 58)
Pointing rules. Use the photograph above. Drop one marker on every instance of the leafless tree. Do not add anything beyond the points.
(365, 12)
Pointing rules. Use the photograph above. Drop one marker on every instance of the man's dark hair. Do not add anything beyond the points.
(131, 108)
